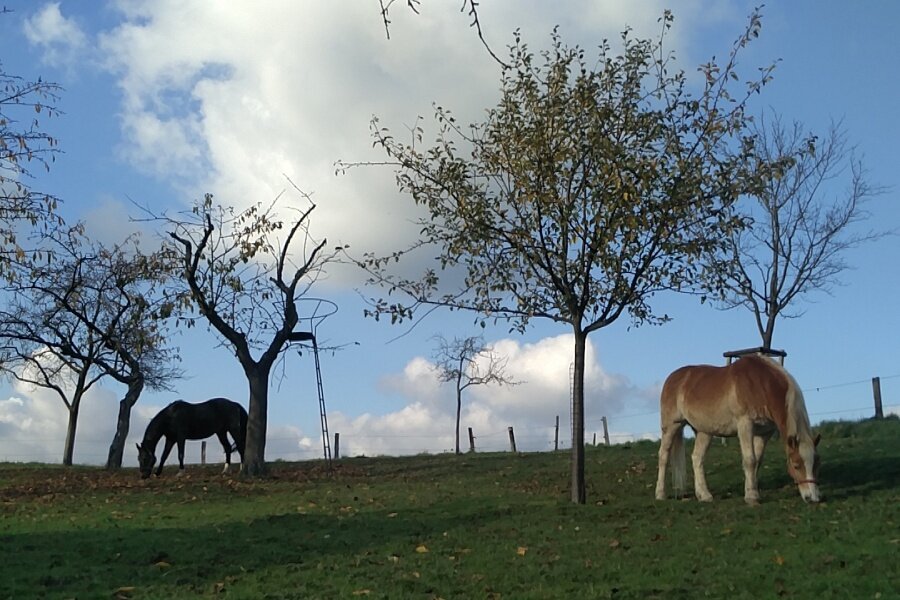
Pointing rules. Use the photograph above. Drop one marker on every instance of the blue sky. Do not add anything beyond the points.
(168, 99)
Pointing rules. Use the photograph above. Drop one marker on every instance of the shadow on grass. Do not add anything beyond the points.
(186, 560)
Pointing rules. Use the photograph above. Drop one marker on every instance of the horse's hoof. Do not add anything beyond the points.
(752, 501)
(706, 498)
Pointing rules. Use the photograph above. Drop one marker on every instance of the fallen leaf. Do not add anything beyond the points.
(422, 549)
(779, 560)
(162, 564)
(362, 592)
(614, 544)
(521, 550)
(391, 515)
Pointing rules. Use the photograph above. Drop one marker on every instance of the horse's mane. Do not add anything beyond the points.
(797, 417)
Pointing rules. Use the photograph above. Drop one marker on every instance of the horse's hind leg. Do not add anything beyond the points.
(226, 446)
(180, 457)
(701, 445)
(671, 442)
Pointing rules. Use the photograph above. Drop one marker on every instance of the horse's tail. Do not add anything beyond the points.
(241, 443)
(677, 462)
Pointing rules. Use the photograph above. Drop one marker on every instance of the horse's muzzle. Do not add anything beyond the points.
(809, 491)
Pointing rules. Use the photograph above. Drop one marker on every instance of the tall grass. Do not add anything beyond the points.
(474, 526)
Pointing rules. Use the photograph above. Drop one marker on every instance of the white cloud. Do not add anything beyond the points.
(228, 97)
(427, 422)
(60, 38)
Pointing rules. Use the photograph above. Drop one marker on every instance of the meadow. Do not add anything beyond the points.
(472, 526)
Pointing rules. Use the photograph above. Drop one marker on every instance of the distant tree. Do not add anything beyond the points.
(47, 346)
(245, 281)
(590, 187)
(467, 362)
(802, 225)
(88, 313)
(23, 146)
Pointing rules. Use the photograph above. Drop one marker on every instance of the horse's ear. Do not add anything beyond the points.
(817, 440)
(138, 446)
(793, 442)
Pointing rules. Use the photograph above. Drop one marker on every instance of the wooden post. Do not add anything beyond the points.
(203, 452)
(556, 435)
(876, 392)
(512, 440)
(471, 440)
(337, 445)
(605, 431)
(595, 438)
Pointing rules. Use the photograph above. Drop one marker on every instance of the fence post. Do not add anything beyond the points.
(595, 438)
(556, 435)
(605, 431)
(203, 452)
(337, 445)
(876, 392)
(512, 440)
(471, 440)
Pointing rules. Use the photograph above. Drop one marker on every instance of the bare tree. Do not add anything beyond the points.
(46, 345)
(244, 281)
(470, 7)
(88, 313)
(592, 186)
(804, 219)
(24, 145)
(467, 362)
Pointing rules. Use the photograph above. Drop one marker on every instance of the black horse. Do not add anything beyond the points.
(181, 421)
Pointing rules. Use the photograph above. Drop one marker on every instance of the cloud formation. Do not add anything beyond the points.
(60, 38)
(427, 422)
(229, 98)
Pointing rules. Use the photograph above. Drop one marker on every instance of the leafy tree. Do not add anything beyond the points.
(466, 362)
(589, 188)
(245, 282)
(801, 225)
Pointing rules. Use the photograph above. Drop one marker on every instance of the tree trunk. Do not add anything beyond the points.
(579, 492)
(458, 413)
(69, 448)
(254, 464)
(769, 332)
(117, 447)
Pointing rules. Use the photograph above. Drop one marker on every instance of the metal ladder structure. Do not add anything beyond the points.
(316, 318)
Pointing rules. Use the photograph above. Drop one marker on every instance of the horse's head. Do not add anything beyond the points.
(803, 465)
(146, 460)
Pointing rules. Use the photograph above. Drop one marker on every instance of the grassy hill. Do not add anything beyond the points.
(474, 526)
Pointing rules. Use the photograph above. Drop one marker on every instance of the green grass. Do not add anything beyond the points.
(476, 526)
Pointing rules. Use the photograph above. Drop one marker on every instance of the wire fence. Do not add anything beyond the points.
(617, 429)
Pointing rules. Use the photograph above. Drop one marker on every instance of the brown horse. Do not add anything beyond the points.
(751, 399)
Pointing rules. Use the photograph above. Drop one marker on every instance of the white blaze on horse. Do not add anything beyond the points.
(751, 399)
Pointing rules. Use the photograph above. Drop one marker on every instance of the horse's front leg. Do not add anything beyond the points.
(701, 445)
(165, 454)
(750, 463)
(759, 448)
(226, 446)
